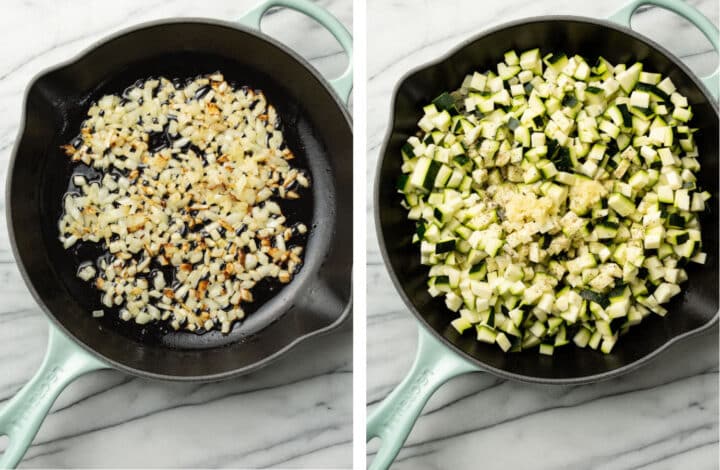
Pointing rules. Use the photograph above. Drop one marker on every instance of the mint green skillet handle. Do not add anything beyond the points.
(342, 84)
(712, 81)
(393, 419)
(22, 416)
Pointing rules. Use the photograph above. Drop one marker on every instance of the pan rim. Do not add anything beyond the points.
(347, 309)
(422, 322)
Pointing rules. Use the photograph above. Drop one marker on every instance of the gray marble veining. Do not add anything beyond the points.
(665, 416)
(295, 413)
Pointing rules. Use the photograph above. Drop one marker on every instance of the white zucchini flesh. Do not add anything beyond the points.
(556, 202)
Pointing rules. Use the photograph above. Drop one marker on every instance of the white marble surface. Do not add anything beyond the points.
(665, 416)
(295, 413)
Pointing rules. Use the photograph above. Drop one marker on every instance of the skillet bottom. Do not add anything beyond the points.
(260, 313)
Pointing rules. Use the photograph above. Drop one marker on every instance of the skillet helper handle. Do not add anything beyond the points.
(22, 416)
(690, 13)
(395, 417)
(342, 84)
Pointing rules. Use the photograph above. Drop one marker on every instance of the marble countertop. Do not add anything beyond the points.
(665, 416)
(295, 413)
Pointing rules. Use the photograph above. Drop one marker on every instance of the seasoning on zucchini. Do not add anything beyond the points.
(556, 201)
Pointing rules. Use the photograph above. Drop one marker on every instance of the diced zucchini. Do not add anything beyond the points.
(486, 334)
(555, 202)
(621, 204)
(630, 77)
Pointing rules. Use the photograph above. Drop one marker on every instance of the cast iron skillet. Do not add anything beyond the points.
(443, 353)
(318, 130)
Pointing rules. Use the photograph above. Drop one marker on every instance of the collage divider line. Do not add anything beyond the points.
(360, 185)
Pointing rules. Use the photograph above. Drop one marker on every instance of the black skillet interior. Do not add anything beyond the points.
(695, 308)
(317, 130)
